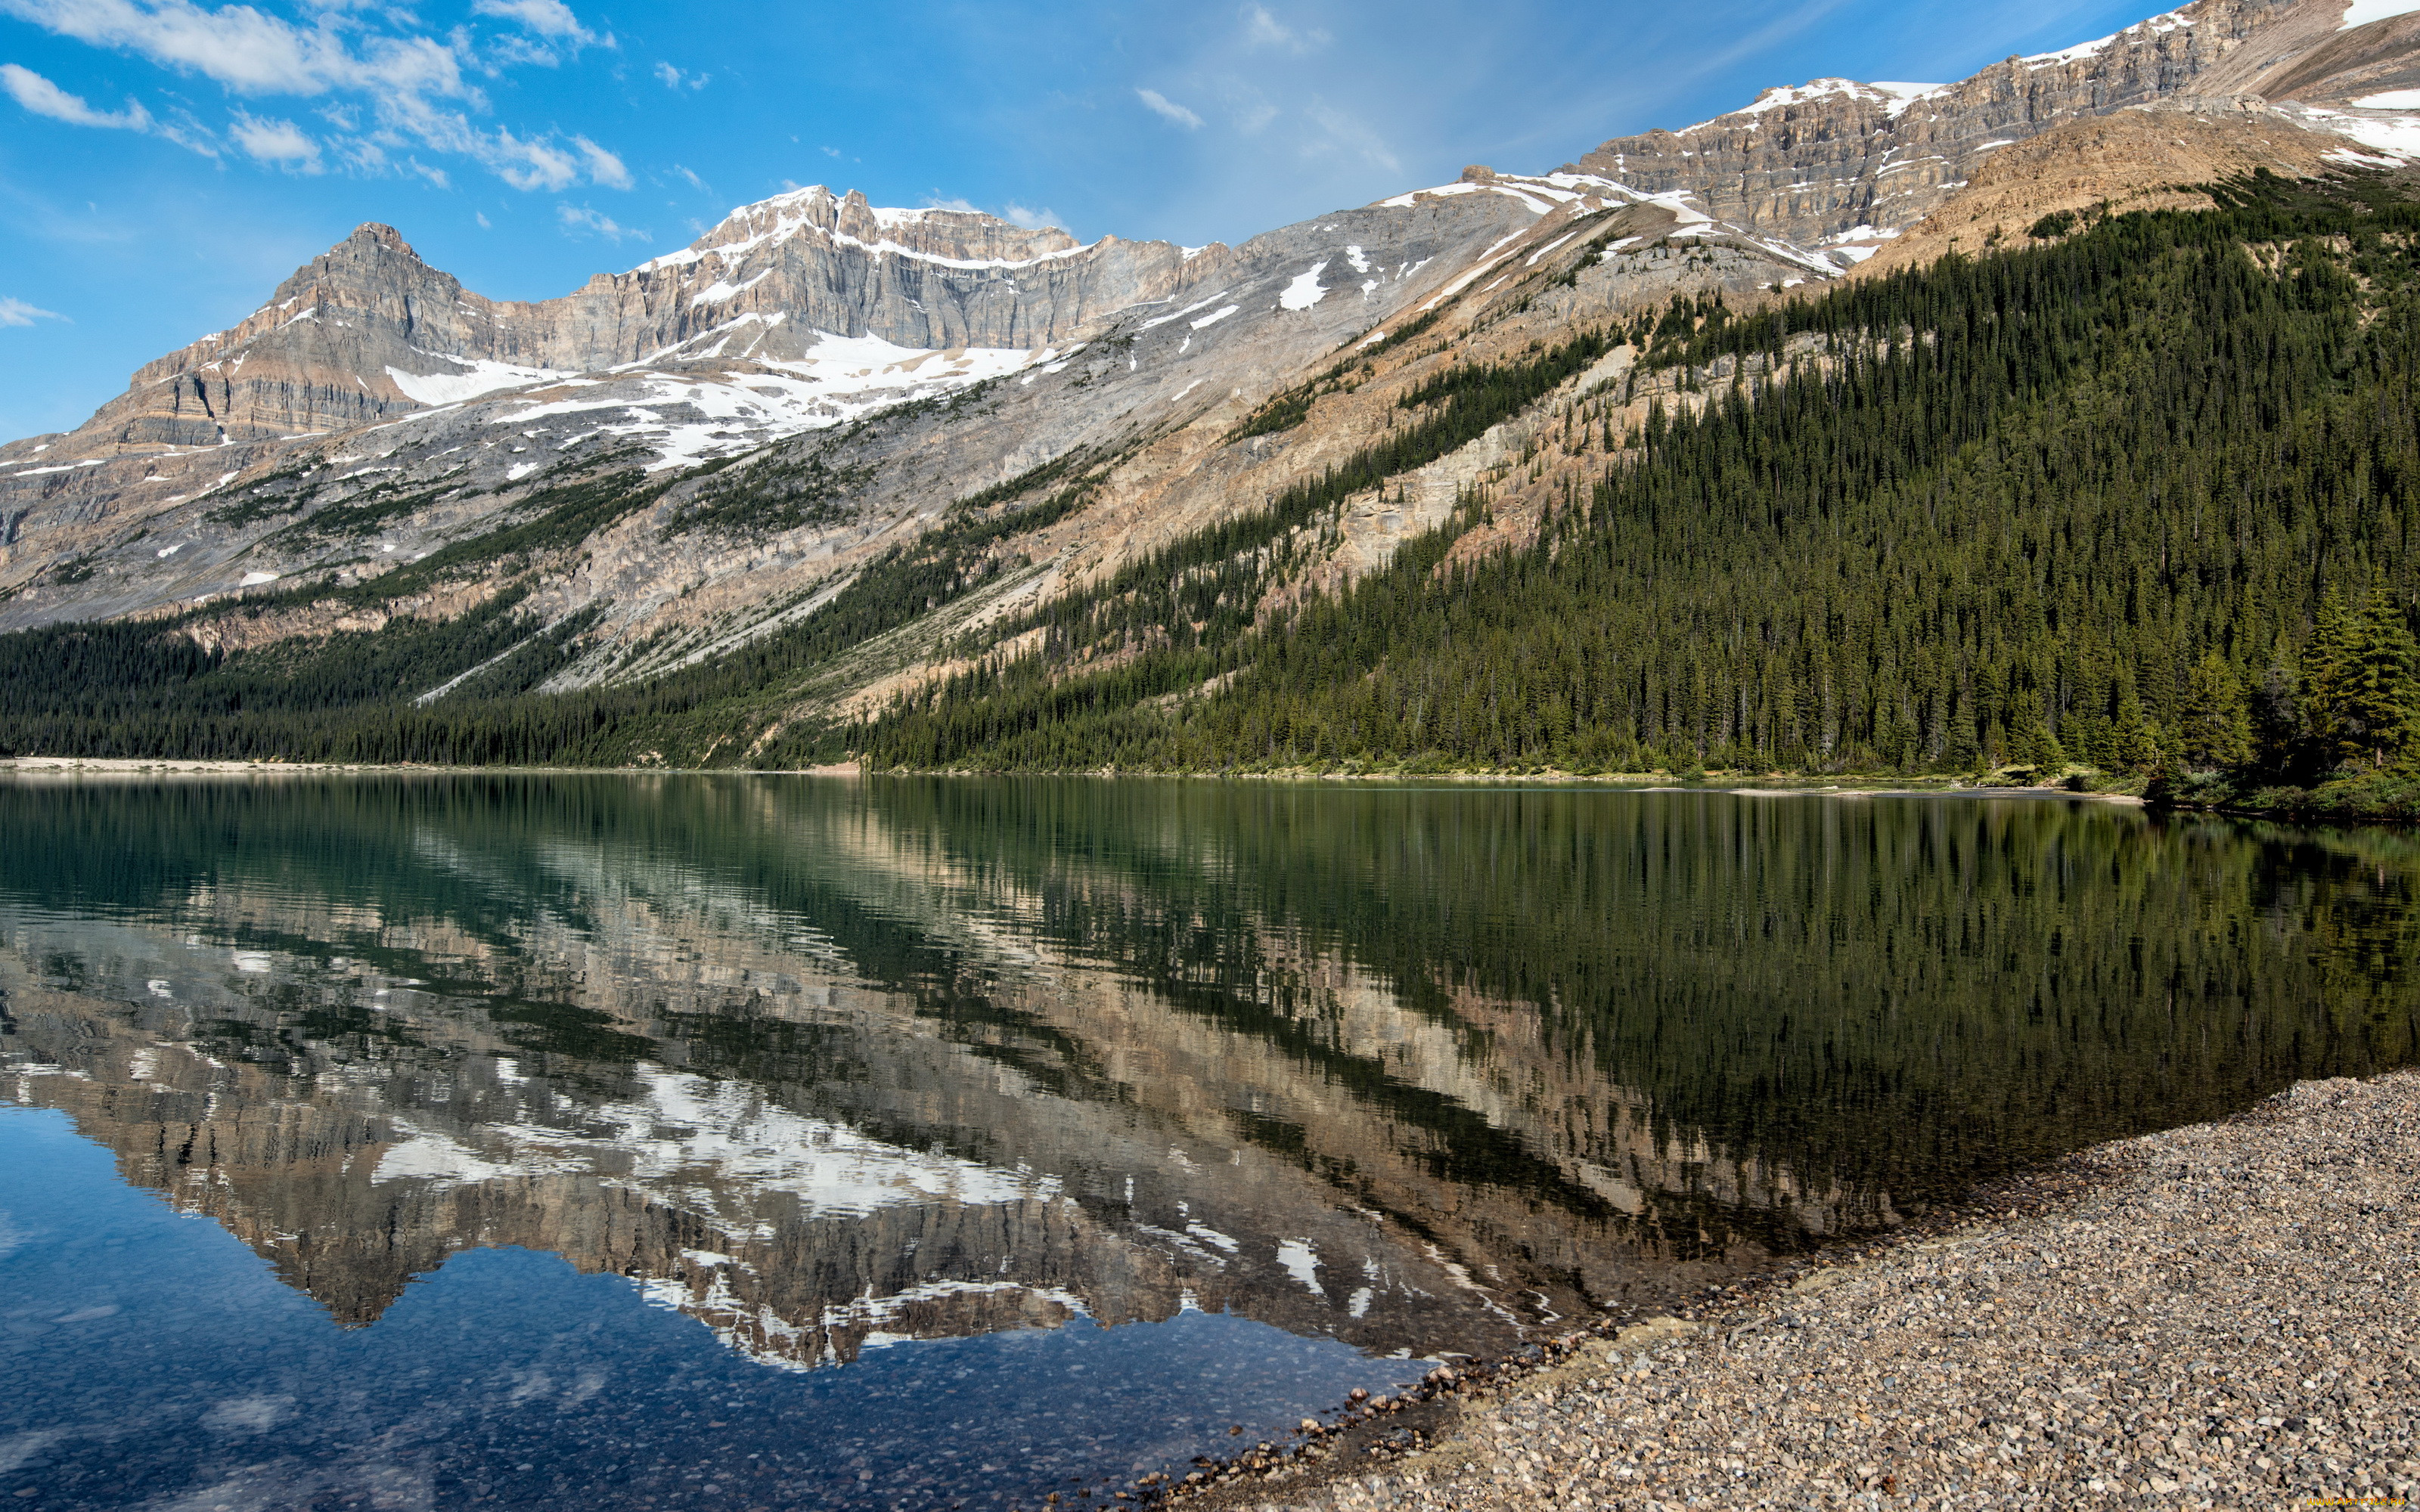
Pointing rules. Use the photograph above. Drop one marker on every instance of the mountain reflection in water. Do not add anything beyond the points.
(831, 1066)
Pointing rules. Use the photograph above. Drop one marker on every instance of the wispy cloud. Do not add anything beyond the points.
(14, 311)
(1015, 214)
(672, 78)
(277, 141)
(43, 97)
(1162, 105)
(551, 19)
(603, 166)
(410, 86)
(1263, 29)
(580, 220)
(1341, 132)
(248, 51)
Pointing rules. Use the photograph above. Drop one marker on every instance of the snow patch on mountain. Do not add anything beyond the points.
(482, 377)
(2080, 50)
(1896, 96)
(2396, 135)
(691, 417)
(773, 221)
(2362, 12)
(722, 289)
(1199, 304)
(1304, 292)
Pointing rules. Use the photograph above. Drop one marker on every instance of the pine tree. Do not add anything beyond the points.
(2365, 687)
(2214, 724)
(2136, 743)
(2280, 735)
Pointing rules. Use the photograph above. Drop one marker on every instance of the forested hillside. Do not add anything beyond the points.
(2081, 500)
(2088, 500)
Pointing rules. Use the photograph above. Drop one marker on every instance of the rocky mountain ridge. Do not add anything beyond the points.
(368, 330)
(161, 526)
(1839, 162)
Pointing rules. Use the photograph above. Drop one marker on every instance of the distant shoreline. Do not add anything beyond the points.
(1636, 782)
(167, 767)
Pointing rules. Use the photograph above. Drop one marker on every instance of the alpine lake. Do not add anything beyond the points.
(728, 1142)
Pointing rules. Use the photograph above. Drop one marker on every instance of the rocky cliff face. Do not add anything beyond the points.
(368, 330)
(1837, 160)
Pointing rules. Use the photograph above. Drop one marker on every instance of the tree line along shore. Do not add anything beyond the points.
(2129, 505)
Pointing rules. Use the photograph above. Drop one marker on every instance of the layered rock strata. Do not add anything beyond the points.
(1837, 160)
(368, 330)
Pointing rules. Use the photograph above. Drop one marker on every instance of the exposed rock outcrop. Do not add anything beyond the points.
(2135, 160)
(368, 330)
(1832, 159)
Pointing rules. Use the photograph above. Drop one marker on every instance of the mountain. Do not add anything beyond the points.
(1841, 163)
(218, 467)
(732, 504)
(368, 332)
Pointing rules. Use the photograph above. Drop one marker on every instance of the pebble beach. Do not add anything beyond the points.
(2218, 1315)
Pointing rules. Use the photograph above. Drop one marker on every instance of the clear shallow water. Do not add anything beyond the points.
(734, 1142)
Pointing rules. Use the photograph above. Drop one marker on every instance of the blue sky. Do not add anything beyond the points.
(163, 163)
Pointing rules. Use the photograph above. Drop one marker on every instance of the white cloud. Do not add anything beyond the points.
(580, 218)
(523, 165)
(694, 181)
(481, 216)
(43, 97)
(17, 313)
(1262, 29)
(603, 166)
(411, 85)
(672, 78)
(1015, 214)
(248, 51)
(1251, 109)
(1162, 105)
(546, 17)
(275, 141)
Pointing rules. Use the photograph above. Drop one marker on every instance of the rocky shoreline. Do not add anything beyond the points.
(2219, 1316)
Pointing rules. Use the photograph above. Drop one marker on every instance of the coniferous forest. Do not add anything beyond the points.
(2135, 496)
(2140, 497)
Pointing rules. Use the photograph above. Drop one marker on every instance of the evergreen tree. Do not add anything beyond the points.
(2136, 744)
(2365, 695)
(2280, 735)
(2214, 724)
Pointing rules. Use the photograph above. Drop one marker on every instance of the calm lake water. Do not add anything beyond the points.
(738, 1142)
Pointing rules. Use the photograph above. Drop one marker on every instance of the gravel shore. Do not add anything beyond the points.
(2221, 1316)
